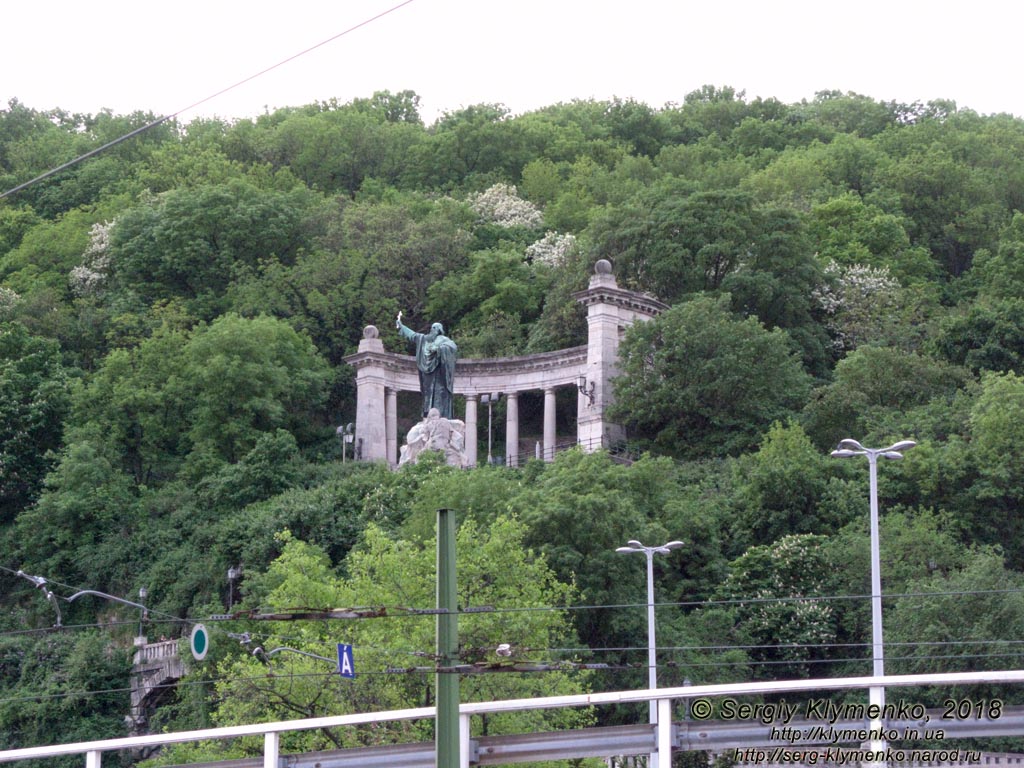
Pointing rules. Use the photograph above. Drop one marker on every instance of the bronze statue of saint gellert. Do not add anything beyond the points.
(435, 359)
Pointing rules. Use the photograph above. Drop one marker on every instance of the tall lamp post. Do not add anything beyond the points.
(490, 400)
(140, 639)
(235, 574)
(652, 660)
(848, 449)
(347, 435)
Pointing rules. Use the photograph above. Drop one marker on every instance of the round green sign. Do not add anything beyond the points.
(200, 641)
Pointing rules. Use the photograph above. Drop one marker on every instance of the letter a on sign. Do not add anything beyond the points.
(345, 666)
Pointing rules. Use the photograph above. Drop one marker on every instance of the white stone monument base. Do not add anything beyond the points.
(435, 433)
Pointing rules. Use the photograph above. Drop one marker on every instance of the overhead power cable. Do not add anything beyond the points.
(307, 613)
(480, 668)
(222, 91)
(384, 612)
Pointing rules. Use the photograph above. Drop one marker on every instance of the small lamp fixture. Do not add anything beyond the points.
(234, 574)
(586, 391)
(347, 436)
(140, 638)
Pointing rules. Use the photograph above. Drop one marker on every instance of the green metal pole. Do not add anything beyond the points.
(447, 724)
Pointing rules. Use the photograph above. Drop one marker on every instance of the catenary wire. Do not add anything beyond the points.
(222, 91)
(433, 670)
(254, 636)
(401, 612)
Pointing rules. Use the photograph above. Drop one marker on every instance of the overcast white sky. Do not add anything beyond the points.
(129, 55)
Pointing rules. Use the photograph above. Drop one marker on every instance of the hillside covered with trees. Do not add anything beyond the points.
(174, 316)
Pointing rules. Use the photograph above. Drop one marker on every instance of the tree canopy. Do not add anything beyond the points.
(175, 313)
(700, 381)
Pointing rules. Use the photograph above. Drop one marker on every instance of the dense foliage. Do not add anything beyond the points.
(175, 313)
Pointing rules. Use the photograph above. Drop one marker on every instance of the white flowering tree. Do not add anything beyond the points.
(777, 588)
(501, 204)
(862, 304)
(89, 276)
(553, 249)
(8, 300)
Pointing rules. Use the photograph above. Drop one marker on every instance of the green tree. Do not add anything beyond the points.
(246, 377)
(852, 112)
(329, 509)
(46, 253)
(951, 205)
(871, 386)
(962, 620)
(542, 181)
(562, 320)
(637, 125)
(780, 489)
(674, 242)
(391, 252)
(697, 381)
(996, 447)
(983, 336)
(494, 569)
(472, 147)
(988, 334)
(1000, 275)
(65, 686)
(133, 410)
(178, 407)
(497, 285)
(914, 545)
(270, 468)
(82, 528)
(580, 509)
(401, 107)
(188, 243)
(850, 231)
(708, 111)
(14, 223)
(338, 148)
(34, 401)
(796, 177)
(777, 282)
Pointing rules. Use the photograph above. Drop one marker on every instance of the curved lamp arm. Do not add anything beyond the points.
(104, 595)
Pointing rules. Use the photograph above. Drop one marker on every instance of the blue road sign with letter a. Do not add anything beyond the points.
(345, 666)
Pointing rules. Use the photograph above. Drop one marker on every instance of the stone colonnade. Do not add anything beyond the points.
(589, 369)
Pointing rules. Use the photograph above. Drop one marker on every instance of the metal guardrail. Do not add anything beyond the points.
(716, 736)
(620, 452)
(662, 737)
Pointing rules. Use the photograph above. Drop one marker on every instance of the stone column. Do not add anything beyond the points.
(471, 428)
(512, 430)
(391, 424)
(610, 310)
(604, 324)
(549, 424)
(371, 435)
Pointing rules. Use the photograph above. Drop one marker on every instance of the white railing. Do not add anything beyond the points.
(155, 651)
(271, 732)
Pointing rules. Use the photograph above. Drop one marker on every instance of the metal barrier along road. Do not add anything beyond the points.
(750, 726)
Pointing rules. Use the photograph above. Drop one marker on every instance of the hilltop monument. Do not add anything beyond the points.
(587, 371)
